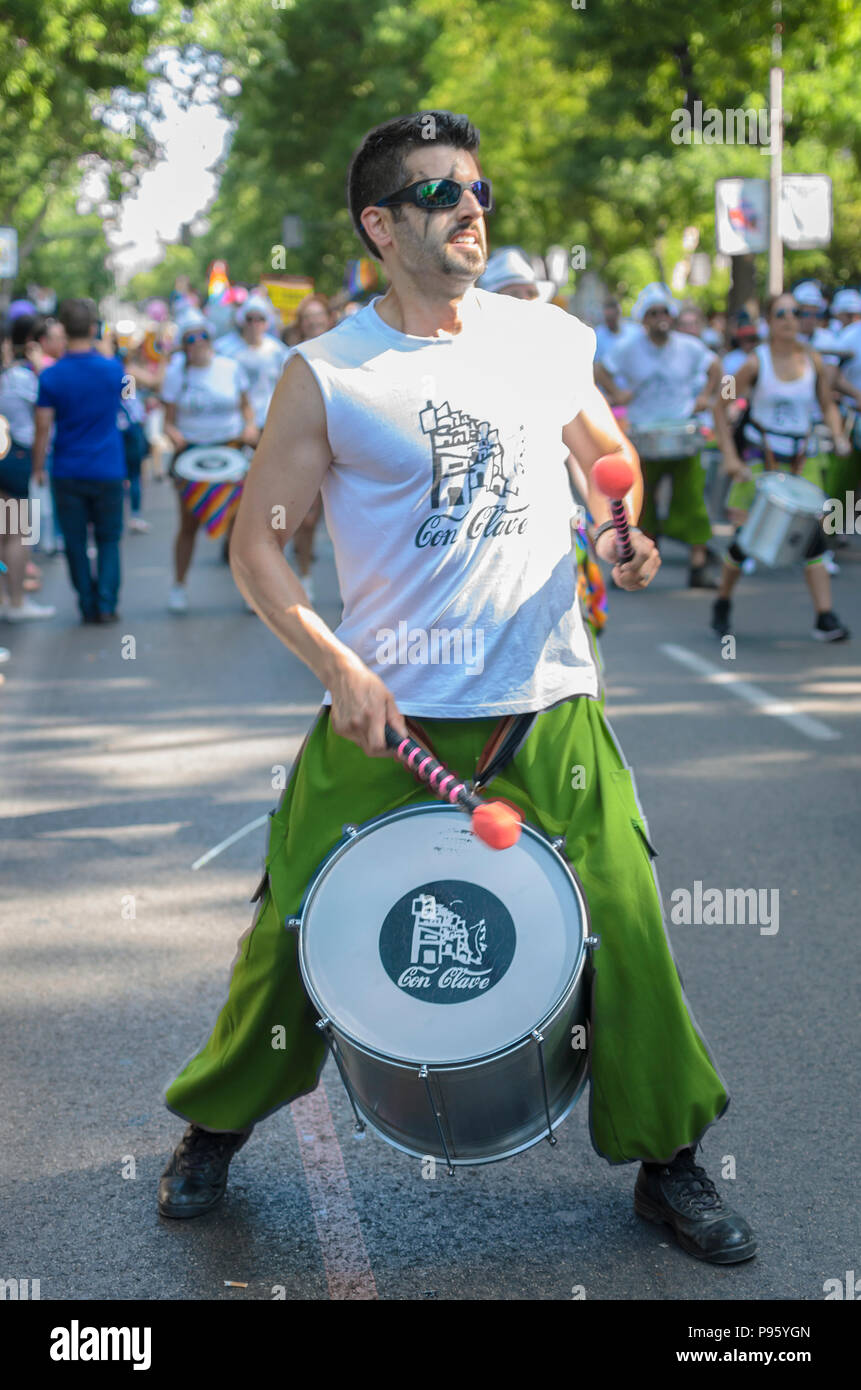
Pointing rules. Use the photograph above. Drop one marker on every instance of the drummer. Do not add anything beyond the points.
(437, 421)
(206, 402)
(787, 387)
(670, 377)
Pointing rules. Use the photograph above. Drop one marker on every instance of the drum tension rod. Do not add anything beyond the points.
(539, 1038)
(324, 1024)
(425, 1077)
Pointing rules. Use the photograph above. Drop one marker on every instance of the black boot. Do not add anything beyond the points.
(196, 1178)
(721, 623)
(682, 1195)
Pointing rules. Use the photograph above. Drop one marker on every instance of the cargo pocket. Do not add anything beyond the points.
(624, 786)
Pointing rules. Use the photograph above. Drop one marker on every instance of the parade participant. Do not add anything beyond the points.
(670, 376)
(51, 337)
(440, 411)
(509, 272)
(19, 389)
(785, 382)
(261, 355)
(206, 402)
(82, 395)
(846, 310)
(614, 330)
(313, 318)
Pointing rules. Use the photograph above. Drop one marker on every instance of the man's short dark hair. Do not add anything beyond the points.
(378, 166)
(78, 316)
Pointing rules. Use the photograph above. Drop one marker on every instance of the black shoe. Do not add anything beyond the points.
(721, 617)
(108, 617)
(683, 1196)
(700, 578)
(89, 619)
(196, 1178)
(829, 628)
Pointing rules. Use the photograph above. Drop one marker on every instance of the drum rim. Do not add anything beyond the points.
(240, 467)
(453, 1064)
(764, 488)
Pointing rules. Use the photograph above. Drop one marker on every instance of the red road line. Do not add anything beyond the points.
(345, 1259)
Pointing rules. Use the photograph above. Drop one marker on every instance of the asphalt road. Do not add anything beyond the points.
(119, 773)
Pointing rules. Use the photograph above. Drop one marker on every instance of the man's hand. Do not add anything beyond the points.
(362, 706)
(842, 446)
(636, 573)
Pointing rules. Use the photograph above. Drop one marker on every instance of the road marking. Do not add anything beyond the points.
(754, 694)
(348, 1269)
(231, 840)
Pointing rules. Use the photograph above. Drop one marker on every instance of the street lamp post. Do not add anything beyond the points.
(775, 245)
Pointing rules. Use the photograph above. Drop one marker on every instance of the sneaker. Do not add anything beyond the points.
(195, 1179)
(137, 523)
(700, 578)
(829, 628)
(27, 611)
(683, 1196)
(177, 601)
(830, 563)
(108, 617)
(721, 623)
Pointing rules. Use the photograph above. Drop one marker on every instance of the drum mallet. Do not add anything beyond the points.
(495, 823)
(614, 477)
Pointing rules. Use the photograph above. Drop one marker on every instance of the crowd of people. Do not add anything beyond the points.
(88, 412)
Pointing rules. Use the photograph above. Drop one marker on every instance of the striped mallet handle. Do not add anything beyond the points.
(495, 823)
(614, 477)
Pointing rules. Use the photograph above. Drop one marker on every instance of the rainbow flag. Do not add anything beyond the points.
(214, 503)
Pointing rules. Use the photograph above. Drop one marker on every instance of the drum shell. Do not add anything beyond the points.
(501, 1095)
(669, 439)
(777, 532)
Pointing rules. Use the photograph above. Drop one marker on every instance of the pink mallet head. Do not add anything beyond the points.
(613, 476)
(496, 824)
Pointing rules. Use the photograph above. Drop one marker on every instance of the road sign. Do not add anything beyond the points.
(741, 213)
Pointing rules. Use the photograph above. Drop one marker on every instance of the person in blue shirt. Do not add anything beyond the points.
(81, 396)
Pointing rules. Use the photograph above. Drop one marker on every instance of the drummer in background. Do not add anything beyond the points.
(670, 377)
(481, 469)
(314, 317)
(845, 473)
(206, 402)
(786, 385)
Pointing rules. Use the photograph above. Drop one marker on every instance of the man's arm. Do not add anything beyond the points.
(828, 405)
(591, 435)
(284, 479)
(44, 422)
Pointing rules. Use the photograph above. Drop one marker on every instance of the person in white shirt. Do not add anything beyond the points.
(437, 422)
(19, 388)
(262, 356)
(206, 402)
(670, 377)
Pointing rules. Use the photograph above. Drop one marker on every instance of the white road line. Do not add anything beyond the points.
(348, 1269)
(754, 694)
(231, 840)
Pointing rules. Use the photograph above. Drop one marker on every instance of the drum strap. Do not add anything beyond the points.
(504, 743)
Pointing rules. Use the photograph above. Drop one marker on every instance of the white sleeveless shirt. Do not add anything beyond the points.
(449, 506)
(787, 407)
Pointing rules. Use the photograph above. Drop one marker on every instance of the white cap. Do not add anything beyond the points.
(510, 267)
(651, 297)
(846, 302)
(192, 319)
(254, 304)
(809, 294)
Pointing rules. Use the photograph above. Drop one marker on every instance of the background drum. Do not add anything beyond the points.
(667, 439)
(783, 519)
(211, 478)
(451, 981)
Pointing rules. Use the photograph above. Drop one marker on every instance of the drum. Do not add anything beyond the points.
(451, 982)
(783, 518)
(667, 439)
(212, 477)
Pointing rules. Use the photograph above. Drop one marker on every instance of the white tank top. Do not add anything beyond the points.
(788, 408)
(449, 506)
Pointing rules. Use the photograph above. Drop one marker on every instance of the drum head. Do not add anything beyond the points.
(423, 944)
(796, 494)
(211, 464)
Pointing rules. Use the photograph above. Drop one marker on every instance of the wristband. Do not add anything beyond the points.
(608, 526)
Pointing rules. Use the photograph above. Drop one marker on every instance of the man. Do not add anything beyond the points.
(51, 337)
(670, 377)
(82, 395)
(436, 421)
(261, 355)
(614, 330)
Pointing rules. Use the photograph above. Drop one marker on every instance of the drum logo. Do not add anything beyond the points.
(446, 942)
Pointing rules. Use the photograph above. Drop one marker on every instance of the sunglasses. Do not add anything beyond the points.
(788, 313)
(433, 194)
(255, 318)
(658, 309)
(200, 337)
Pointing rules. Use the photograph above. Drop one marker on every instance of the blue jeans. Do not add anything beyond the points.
(78, 501)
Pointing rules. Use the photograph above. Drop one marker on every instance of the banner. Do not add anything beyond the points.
(805, 211)
(286, 293)
(741, 216)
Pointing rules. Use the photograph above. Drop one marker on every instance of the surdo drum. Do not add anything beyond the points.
(451, 982)
(667, 439)
(783, 519)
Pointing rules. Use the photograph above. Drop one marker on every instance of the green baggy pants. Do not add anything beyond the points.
(688, 518)
(654, 1088)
